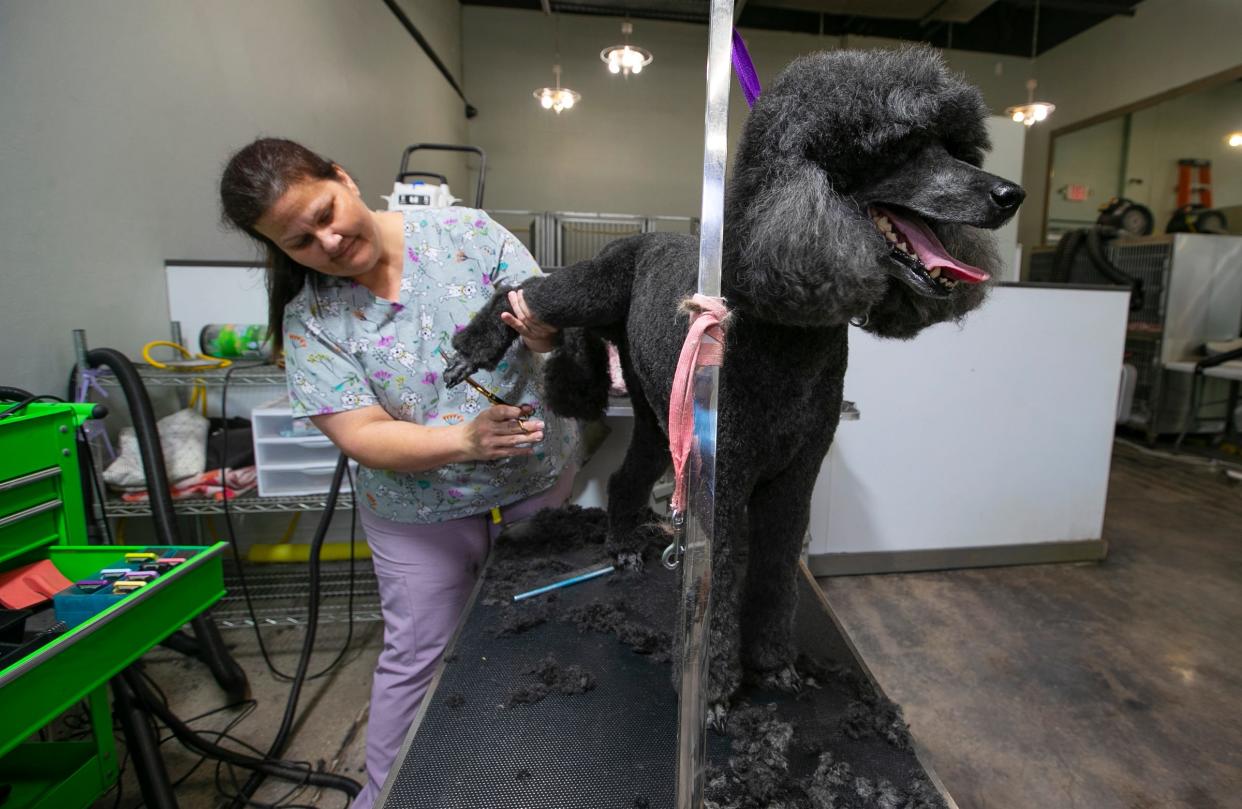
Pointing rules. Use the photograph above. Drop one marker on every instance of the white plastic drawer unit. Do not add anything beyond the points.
(292, 457)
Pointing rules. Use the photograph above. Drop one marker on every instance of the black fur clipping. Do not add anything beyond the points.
(576, 376)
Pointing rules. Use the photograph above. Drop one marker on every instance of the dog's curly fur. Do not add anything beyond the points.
(835, 133)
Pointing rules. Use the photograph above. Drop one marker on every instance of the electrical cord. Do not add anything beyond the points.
(103, 524)
(312, 624)
(237, 554)
(29, 399)
(245, 792)
(247, 708)
(97, 489)
(268, 766)
(282, 802)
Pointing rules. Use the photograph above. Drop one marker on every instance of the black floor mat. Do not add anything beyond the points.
(565, 701)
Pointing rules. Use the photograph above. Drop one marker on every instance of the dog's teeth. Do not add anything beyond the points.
(883, 224)
(935, 272)
(892, 237)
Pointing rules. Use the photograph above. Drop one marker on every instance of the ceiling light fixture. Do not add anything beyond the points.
(626, 58)
(1032, 112)
(557, 98)
(1234, 140)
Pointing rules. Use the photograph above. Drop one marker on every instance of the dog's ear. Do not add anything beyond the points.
(796, 247)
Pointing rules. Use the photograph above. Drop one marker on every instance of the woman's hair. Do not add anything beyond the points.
(253, 180)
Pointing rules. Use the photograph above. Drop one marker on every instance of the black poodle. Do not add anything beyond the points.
(856, 197)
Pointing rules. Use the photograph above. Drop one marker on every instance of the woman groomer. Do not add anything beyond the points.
(367, 302)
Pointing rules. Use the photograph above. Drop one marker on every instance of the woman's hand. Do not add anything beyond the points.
(498, 433)
(538, 336)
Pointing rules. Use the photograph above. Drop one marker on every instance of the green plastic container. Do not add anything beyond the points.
(232, 341)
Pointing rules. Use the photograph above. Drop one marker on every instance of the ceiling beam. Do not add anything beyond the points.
(1123, 8)
(930, 15)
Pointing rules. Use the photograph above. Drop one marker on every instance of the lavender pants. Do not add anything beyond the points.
(426, 573)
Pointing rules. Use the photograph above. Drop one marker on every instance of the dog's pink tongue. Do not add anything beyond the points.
(931, 252)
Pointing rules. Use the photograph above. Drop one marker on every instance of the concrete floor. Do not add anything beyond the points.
(330, 735)
(1115, 685)
(1100, 686)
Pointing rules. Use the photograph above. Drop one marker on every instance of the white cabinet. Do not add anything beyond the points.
(291, 456)
(988, 443)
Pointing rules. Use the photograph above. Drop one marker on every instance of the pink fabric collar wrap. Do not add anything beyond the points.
(708, 318)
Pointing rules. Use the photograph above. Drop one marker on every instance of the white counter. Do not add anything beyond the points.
(985, 444)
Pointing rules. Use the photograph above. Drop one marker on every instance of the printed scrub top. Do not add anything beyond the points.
(346, 348)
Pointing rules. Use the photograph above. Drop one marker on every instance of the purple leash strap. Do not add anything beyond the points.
(745, 69)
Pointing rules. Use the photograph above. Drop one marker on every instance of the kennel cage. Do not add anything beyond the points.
(1192, 294)
(560, 238)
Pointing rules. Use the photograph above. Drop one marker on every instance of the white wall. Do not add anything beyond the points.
(636, 145)
(1166, 44)
(117, 119)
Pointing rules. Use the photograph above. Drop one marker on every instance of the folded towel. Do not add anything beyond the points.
(208, 484)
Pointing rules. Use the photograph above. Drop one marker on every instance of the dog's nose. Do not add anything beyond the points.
(1007, 196)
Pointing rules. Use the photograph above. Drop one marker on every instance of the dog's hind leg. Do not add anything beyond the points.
(724, 672)
(633, 528)
(779, 514)
(724, 667)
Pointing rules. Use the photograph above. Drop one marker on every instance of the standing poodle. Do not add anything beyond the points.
(856, 197)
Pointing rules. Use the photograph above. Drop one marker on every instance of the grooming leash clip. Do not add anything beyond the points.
(671, 558)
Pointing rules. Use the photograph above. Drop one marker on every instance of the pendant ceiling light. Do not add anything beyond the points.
(557, 98)
(1032, 112)
(626, 58)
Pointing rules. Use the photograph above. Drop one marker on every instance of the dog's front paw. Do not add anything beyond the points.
(629, 561)
(786, 679)
(717, 716)
(457, 371)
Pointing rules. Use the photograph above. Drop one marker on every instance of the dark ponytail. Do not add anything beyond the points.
(253, 180)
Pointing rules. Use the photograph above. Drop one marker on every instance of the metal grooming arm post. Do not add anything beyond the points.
(701, 472)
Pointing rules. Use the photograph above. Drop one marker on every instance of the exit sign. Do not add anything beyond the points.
(1076, 193)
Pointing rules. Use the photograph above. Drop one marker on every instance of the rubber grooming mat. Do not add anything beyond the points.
(476, 745)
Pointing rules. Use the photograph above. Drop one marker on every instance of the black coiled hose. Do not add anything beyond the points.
(1093, 240)
(203, 747)
(224, 668)
(213, 651)
(277, 747)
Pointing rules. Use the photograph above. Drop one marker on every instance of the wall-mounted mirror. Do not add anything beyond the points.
(1183, 148)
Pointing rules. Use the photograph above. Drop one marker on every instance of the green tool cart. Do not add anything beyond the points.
(42, 517)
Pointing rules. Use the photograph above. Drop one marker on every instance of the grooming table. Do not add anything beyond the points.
(613, 747)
